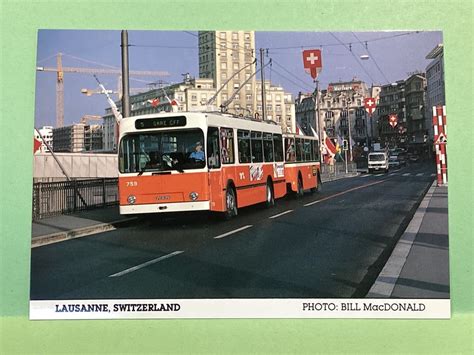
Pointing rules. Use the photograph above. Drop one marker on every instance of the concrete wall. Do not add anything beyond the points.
(77, 165)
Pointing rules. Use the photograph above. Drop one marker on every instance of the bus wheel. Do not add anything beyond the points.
(231, 203)
(300, 190)
(319, 186)
(270, 197)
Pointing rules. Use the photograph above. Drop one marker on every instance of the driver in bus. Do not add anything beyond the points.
(198, 153)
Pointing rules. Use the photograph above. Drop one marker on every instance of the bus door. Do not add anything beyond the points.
(216, 193)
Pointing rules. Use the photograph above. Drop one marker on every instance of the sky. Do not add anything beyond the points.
(392, 56)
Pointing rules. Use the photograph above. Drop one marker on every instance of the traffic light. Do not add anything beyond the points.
(345, 145)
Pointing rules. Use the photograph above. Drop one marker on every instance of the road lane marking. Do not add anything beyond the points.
(234, 231)
(380, 175)
(433, 174)
(392, 174)
(135, 268)
(419, 174)
(365, 175)
(406, 174)
(281, 214)
(344, 192)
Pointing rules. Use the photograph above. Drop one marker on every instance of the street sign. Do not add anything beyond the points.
(312, 62)
(441, 139)
(369, 104)
(393, 120)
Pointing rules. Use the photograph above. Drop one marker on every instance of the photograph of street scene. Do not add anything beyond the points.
(177, 165)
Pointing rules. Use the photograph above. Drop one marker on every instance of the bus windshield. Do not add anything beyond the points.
(162, 151)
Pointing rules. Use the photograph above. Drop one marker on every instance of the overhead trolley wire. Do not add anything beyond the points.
(371, 57)
(352, 53)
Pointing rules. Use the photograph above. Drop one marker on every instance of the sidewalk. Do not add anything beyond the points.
(326, 177)
(418, 266)
(58, 228)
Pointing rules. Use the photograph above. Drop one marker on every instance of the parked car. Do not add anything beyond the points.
(402, 159)
(393, 162)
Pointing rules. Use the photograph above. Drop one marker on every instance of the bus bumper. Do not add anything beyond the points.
(165, 207)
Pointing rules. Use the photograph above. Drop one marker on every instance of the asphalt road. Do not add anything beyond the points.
(328, 244)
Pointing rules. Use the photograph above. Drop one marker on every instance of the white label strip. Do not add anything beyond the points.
(242, 308)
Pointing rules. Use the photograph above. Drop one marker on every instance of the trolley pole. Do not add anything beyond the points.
(262, 76)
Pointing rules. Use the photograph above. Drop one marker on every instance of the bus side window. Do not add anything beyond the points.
(308, 150)
(316, 150)
(227, 145)
(299, 150)
(257, 147)
(268, 147)
(290, 153)
(243, 142)
(278, 147)
(213, 159)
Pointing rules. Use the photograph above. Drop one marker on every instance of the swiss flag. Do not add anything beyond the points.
(154, 102)
(369, 104)
(312, 62)
(36, 145)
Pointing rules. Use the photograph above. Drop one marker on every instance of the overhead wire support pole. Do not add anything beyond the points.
(125, 76)
(317, 111)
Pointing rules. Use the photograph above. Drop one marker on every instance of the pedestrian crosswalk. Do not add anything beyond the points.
(401, 174)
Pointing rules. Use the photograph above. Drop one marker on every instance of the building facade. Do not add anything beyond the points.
(221, 55)
(341, 109)
(435, 91)
(228, 58)
(415, 109)
(77, 138)
(392, 101)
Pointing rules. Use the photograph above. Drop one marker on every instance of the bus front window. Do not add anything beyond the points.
(161, 151)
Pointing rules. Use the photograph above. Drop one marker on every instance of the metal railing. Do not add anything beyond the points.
(338, 169)
(56, 198)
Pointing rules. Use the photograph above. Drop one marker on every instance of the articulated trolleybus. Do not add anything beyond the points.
(195, 161)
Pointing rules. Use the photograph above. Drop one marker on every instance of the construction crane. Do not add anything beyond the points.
(90, 92)
(86, 118)
(60, 70)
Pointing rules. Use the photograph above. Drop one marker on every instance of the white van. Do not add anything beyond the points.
(378, 161)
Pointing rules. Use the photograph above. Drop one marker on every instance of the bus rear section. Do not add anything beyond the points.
(302, 164)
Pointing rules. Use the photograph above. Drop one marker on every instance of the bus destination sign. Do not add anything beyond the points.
(160, 122)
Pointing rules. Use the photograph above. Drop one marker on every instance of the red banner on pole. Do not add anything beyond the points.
(369, 104)
(393, 120)
(312, 62)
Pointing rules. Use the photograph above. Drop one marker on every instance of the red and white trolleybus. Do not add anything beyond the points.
(193, 161)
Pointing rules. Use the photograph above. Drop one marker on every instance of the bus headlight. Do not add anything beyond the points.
(131, 199)
(193, 196)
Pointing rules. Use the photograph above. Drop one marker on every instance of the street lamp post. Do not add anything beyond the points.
(349, 126)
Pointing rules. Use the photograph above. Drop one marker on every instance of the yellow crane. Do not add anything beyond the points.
(60, 70)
